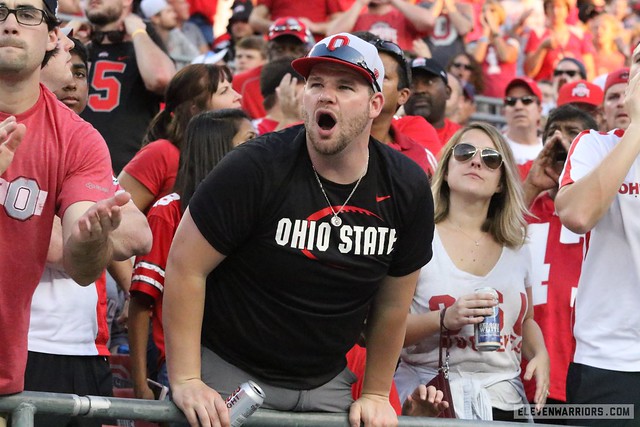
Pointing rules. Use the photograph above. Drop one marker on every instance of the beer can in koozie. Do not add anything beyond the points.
(487, 333)
(243, 402)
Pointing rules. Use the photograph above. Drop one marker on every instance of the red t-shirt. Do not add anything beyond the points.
(557, 259)
(155, 166)
(446, 132)
(265, 125)
(247, 84)
(314, 10)
(392, 26)
(416, 152)
(497, 74)
(421, 131)
(356, 362)
(206, 8)
(148, 271)
(576, 46)
(62, 160)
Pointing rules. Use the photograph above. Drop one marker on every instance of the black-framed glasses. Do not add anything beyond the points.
(347, 54)
(116, 36)
(467, 67)
(464, 152)
(526, 100)
(29, 16)
(570, 73)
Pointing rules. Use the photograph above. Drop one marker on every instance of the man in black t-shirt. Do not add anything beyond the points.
(290, 244)
(128, 75)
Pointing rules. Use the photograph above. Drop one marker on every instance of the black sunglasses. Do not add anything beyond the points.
(116, 36)
(570, 73)
(347, 54)
(464, 152)
(526, 100)
(461, 65)
(394, 50)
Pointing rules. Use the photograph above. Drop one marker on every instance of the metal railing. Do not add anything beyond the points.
(489, 110)
(23, 406)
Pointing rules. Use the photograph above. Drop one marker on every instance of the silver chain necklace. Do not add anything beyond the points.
(336, 221)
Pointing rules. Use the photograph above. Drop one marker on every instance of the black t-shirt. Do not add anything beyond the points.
(292, 295)
(120, 107)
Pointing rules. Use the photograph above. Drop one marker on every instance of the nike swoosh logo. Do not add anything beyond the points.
(122, 58)
(382, 198)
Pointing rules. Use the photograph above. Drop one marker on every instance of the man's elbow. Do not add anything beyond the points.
(160, 80)
(572, 217)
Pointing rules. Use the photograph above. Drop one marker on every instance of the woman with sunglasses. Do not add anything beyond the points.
(467, 70)
(194, 89)
(478, 243)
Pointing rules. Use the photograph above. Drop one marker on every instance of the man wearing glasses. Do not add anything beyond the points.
(568, 70)
(129, 73)
(522, 110)
(62, 167)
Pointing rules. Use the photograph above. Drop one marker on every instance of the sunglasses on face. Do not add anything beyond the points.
(113, 36)
(570, 73)
(461, 65)
(526, 100)
(464, 152)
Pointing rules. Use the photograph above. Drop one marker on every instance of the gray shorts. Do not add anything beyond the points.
(334, 396)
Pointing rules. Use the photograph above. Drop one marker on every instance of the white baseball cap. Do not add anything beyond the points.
(345, 49)
(152, 7)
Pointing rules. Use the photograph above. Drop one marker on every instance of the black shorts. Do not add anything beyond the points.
(81, 375)
(589, 385)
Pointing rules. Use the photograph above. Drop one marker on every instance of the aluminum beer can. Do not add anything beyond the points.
(243, 402)
(487, 333)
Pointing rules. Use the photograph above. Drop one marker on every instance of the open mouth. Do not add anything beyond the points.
(326, 121)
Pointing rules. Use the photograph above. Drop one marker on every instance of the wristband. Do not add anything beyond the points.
(138, 31)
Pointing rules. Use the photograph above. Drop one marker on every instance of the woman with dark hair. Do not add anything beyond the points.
(478, 244)
(195, 88)
(465, 67)
(209, 137)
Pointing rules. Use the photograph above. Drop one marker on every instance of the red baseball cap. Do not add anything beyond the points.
(580, 91)
(615, 77)
(348, 50)
(527, 82)
(288, 26)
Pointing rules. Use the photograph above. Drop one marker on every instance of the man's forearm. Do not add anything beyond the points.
(133, 236)
(85, 261)
(155, 66)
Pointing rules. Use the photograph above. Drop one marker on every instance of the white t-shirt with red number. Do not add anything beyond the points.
(607, 320)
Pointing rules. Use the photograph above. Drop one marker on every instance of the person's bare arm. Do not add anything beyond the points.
(533, 60)
(386, 326)
(139, 316)
(191, 259)
(140, 194)
(11, 134)
(461, 16)
(534, 350)
(155, 66)
(260, 19)
(582, 204)
(346, 20)
(87, 229)
(421, 18)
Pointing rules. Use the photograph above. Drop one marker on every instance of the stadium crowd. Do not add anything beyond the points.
(319, 200)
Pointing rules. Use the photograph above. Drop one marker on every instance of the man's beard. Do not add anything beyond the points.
(102, 18)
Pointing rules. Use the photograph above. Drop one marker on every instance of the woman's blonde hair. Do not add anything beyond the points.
(506, 216)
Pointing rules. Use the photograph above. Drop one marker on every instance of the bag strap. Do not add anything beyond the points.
(444, 332)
